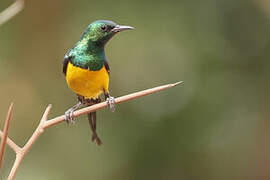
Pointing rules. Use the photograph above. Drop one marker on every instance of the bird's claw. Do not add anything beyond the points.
(111, 102)
(69, 117)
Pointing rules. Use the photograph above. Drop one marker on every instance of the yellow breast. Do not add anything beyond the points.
(84, 82)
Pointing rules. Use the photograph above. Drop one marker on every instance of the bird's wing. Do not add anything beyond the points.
(107, 67)
(65, 63)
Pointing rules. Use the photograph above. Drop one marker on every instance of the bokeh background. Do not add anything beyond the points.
(214, 126)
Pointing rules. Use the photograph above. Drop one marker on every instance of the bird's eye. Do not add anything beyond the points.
(103, 27)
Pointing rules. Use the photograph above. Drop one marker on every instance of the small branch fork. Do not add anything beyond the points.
(45, 123)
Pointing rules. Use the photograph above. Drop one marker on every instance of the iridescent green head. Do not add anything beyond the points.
(101, 31)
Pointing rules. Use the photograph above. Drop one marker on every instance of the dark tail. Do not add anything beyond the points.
(92, 117)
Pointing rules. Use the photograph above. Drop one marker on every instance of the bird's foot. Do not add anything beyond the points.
(111, 102)
(69, 116)
(96, 138)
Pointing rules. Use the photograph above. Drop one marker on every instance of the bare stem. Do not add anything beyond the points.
(5, 134)
(11, 11)
(44, 123)
(15, 167)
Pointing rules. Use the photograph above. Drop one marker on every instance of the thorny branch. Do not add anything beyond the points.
(44, 123)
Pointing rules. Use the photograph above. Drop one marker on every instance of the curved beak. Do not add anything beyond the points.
(119, 28)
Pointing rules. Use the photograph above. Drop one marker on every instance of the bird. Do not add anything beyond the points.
(87, 70)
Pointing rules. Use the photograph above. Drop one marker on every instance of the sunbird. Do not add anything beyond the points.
(87, 69)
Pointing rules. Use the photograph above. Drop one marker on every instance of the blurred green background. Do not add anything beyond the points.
(214, 126)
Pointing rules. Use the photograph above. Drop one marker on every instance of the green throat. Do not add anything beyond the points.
(87, 55)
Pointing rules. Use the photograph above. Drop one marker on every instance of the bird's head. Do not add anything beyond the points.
(101, 31)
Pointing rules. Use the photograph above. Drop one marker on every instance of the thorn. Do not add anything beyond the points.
(46, 113)
(175, 84)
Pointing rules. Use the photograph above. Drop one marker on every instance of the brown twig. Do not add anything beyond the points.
(44, 123)
(5, 134)
(11, 11)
